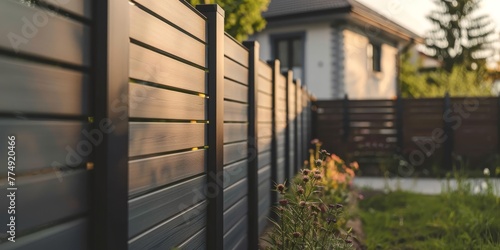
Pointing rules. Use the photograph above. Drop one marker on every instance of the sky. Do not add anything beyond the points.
(411, 13)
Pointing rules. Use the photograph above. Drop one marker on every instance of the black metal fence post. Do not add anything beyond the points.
(314, 117)
(298, 153)
(448, 144)
(275, 65)
(110, 73)
(303, 120)
(304, 145)
(253, 149)
(399, 125)
(309, 117)
(345, 119)
(215, 47)
(288, 168)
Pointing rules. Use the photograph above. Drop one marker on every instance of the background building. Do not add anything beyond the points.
(337, 46)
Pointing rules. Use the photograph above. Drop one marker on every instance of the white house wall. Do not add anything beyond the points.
(361, 82)
(318, 55)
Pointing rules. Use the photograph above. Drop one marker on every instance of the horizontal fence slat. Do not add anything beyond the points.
(265, 130)
(265, 70)
(197, 241)
(38, 88)
(147, 65)
(236, 112)
(148, 210)
(235, 91)
(281, 105)
(264, 159)
(70, 235)
(73, 39)
(180, 15)
(235, 192)
(48, 144)
(235, 172)
(264, 174)
(280, 118)
(234, 71)
(264, 115)
(235, 213)
(235, 132)
(371, 110)
(265, 200)
(281, 86)
(174, 231)
(235, 152)
(59, 195)
(373, 117)
(151, 102)
(154, 172)
(158, 34)
(371, 103)
(264, 85)
(235, 234)
(264, 100)
(281, 170)
(242, 244)
(155, 137)
(79, 7)
(235, 51)
(264, 144)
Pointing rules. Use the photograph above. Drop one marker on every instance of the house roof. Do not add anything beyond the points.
(292, 9)
(289, 7)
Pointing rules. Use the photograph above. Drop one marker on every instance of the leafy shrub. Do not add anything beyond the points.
(338, 174)
(306, 217)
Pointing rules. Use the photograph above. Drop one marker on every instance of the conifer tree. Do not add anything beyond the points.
(460, 35)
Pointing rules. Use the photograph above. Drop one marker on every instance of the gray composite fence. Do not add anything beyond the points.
(141, 125)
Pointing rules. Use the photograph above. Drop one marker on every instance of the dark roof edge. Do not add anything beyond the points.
(358, 11)
(368, 13)
(311, 13)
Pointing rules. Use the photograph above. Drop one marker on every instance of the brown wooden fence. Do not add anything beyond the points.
(417, 131)
(141, 125)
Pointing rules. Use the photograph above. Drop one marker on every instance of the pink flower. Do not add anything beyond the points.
(354, 165)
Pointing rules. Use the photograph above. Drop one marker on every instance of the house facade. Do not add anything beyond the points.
(338, 47)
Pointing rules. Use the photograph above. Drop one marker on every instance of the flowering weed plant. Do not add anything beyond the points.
(305, 218)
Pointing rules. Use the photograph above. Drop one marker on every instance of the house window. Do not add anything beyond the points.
(289, 50)
(374, 54)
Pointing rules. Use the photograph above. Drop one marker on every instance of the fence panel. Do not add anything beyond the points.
(146, 127)
(281, 123)
(264, 137)
(45, 102)
(291, 111)
(305, 124)
(329, 125)
(168, 126)
(300, 126)
(476, 134)
(235, 150)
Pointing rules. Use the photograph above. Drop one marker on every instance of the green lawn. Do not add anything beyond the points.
(457, 220)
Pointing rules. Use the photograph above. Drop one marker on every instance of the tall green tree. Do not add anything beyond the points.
(243, 17)
(460, 35)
